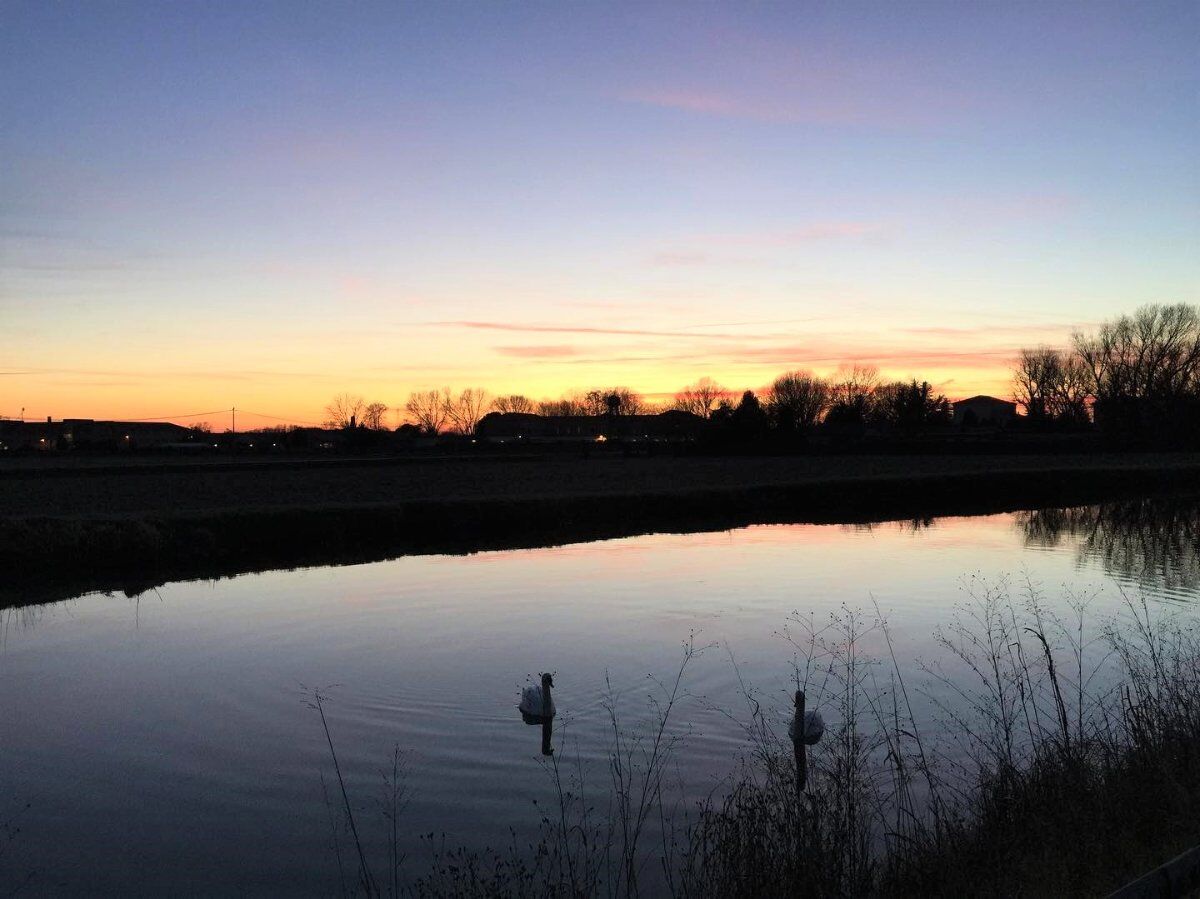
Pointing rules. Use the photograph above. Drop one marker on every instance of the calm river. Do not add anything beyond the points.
(163, 744)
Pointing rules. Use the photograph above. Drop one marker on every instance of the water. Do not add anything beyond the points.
(163, 743)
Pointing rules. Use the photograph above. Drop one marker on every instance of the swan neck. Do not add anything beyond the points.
(546, 698)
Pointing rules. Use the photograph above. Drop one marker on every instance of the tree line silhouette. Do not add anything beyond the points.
(795, 403)
(1137, 376)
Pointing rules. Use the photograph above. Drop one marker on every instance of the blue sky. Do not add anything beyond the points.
(264, 204)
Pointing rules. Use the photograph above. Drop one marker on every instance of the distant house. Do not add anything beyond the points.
(90, 434)
(666, 427)
(984, 411)
(126, 435)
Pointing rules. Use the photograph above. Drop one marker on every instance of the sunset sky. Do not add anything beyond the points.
(205, 205)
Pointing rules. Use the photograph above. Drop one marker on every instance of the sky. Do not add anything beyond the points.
(207, 205)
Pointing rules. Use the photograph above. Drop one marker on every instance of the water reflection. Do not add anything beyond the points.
(547, 730)
(903, 525)
(1153, 542)
(128, 715)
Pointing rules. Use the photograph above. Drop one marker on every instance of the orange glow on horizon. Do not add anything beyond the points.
(269, 402)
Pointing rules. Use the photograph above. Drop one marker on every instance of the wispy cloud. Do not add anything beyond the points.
(822, 355)
(813, 79)
(157, 374)
(553, 351)
(800, 94)
(706, 103)
(807, 110)
(576, 329)
(1060, 331)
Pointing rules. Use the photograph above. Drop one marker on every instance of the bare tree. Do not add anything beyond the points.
(427, 410)
(344, 409)
(464, 411)
(1072, 399)
(852, 394)
(374, 417)
(853, 382)
(798, 400)
(1145, 372)
(1052, 385)
(614, 401)
(513, 403)
(701, 398)
(1149, 356)
(567, 405)
(1037, 378)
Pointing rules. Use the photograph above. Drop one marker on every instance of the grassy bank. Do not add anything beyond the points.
(1067, 763)
(132, 529)
(1073, 769)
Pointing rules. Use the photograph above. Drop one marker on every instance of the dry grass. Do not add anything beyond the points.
(1070, 765)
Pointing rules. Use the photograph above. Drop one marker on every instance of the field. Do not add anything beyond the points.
(69, 528)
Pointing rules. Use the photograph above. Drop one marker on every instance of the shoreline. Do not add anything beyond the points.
(54, 557)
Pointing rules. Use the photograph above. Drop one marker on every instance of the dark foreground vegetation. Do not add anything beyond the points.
(68, 531)
(1062, 759)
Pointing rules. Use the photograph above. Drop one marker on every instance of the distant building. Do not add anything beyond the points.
(984, 411)
(86, 433)
(666, 427)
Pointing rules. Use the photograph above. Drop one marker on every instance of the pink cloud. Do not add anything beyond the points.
(574, 329)
(804, 110)
(781, 89)
(556, 351)
(1060, 331)
(825, 355)
(708, 103)
(812, 79)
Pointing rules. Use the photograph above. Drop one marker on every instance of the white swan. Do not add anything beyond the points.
(536, 701)
(814, 727)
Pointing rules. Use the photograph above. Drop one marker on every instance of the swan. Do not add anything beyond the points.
(536, 701)
(814, 727)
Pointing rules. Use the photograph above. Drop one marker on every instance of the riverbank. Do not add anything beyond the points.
(1070, 770)
(64, 532)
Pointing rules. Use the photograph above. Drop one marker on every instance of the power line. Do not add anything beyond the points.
(169, 417)
(315, 424)
(37, 420)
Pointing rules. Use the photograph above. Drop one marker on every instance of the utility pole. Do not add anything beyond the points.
(234, 425)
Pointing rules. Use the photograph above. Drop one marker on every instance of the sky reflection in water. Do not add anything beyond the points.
(163, 742)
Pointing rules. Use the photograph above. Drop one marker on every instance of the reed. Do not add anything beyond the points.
(1069, 764)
